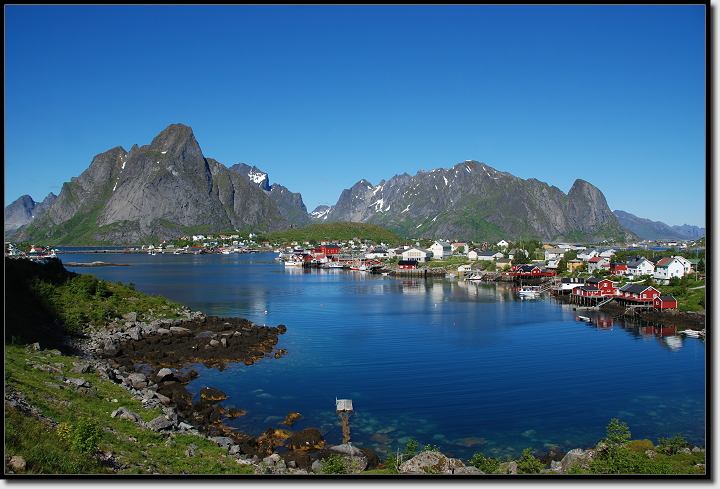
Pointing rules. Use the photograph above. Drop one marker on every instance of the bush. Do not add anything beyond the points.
(640, 445)
(528, 464)
(487, 465)
(673, 445)
(82, 437)
(336, 464)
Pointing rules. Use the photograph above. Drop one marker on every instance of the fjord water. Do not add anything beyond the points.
(464, 366)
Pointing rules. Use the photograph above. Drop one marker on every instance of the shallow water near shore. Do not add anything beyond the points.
(464, 366)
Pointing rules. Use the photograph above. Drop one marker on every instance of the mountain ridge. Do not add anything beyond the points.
(473, 201)
(169, 189)
(166, 190)
(652, 230)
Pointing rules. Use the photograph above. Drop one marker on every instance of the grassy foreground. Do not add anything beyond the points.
(86, 428)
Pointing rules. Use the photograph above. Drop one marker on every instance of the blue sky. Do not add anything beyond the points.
(320, 97)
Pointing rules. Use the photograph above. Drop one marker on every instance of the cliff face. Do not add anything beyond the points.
(167, 189)
(472, 201)
(289, 203)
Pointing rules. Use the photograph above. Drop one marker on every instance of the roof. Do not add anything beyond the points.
(636, 288)
(634, 261)
(597, 280)
(667, 298)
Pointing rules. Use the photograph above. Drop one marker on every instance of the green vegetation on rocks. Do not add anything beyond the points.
(44, 300)
(341, 231)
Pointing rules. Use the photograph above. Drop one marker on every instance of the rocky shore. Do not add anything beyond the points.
(166, 347)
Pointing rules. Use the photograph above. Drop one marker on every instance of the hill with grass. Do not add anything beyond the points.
(341, 231)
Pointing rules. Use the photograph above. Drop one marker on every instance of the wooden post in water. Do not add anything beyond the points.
(344, 408)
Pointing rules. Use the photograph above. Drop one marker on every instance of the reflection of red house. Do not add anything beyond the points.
(656, 331)
(665, 302)
(604, 323)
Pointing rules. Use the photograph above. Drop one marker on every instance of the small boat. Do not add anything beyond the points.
(584, 318)
(692, 333)
(529, 292)
(293, 263)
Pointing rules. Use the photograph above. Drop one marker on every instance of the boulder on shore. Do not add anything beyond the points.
(430, 463)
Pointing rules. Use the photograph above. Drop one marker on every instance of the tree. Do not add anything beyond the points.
(617, 434)
(520, 258)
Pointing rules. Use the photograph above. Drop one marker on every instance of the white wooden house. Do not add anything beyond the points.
(489, 255)
(416, 254)
(598, 263)
(670, 267)
(441, 249)
(585, 255)
(639, 265)
(554, 253)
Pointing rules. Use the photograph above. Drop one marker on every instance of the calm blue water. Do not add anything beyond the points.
(466, 367)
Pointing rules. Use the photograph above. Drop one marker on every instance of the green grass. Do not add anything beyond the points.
(143, 450)
(47, 293)
(43, 450)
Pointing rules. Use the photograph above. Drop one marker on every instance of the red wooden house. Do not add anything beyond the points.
(587, 291)
(531, 271)
(665, 302)
(327, 249)
(618, 269)
(407, 265)
(638, 293)
(607, 287)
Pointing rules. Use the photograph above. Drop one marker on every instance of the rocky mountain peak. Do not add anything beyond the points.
(177, 140)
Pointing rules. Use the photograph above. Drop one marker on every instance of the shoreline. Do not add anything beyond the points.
(671, 317)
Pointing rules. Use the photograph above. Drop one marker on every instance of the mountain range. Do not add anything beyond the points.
(169, 189)
(653, 230)
(473, 201)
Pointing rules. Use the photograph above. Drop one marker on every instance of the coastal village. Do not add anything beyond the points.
(585, 276)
